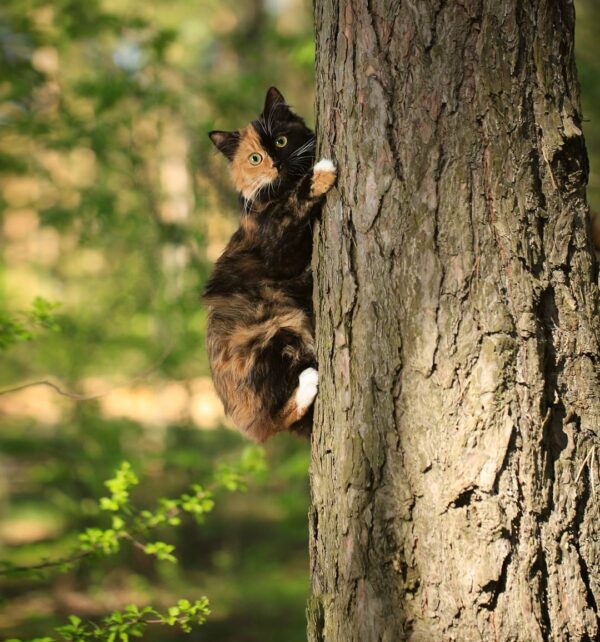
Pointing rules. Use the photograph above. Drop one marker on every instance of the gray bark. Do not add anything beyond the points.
(457, 326)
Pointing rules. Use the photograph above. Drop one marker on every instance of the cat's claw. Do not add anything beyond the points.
(308, 384)
(324, 175)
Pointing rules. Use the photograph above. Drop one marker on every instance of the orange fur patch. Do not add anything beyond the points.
(247, 178)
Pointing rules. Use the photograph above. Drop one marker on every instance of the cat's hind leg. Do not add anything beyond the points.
(283, 376)
(299, 404)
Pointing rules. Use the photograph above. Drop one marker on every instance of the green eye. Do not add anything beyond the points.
(255, 159)
(280, 141)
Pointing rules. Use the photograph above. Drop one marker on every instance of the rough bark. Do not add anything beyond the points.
(458, 331)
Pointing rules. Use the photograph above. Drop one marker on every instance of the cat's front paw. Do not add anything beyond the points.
(324, 175)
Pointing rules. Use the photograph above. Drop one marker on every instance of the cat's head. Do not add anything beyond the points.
(269, 155)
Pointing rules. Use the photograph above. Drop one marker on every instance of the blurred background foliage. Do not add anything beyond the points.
(114, 205)
(587, 51)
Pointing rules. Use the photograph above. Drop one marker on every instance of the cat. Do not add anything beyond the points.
(260, 334)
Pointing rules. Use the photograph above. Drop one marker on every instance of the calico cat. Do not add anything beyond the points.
(260, 334)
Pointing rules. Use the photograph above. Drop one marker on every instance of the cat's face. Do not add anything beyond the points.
(271, 153)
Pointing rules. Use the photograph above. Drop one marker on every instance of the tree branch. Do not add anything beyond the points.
(78, 397)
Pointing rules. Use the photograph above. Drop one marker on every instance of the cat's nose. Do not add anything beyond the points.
(277, 165)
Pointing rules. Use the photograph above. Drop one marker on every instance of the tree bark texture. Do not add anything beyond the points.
(455, 448)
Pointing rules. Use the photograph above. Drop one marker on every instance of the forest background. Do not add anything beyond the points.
(113, 206)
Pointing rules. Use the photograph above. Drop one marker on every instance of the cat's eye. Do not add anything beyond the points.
(255, 158)
(280, 141)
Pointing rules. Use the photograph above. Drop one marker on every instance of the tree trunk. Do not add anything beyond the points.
(457, 423)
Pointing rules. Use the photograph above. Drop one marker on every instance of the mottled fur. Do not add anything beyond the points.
(260, 334)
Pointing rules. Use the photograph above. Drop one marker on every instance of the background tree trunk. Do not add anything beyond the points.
(458, 336)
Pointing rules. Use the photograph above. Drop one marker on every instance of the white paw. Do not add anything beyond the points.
(324, 165)
(307, 388)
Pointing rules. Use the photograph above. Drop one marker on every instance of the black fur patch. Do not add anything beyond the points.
(277, 368)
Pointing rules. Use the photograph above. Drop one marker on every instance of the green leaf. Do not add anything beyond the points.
(106, 503)
(161, 550)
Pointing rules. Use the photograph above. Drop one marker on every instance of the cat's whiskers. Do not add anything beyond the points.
(249, 191)
(265, 126)
(256, 186)
(270, 187)
(299, 166)
(308, 145)
(270, 121)
(271, 115)
(301, 160)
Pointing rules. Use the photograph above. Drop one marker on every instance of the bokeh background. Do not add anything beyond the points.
(114, 204)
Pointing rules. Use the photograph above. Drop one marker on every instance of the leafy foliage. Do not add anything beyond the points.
(113, 202)
(131, 622)
(27, 325)
(128, 523)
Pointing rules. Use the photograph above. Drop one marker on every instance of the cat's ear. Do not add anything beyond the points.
(272, 100)
(225, 142)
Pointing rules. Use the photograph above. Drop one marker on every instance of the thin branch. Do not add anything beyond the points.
(9, 570)
(135, 542)
(78, 397)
